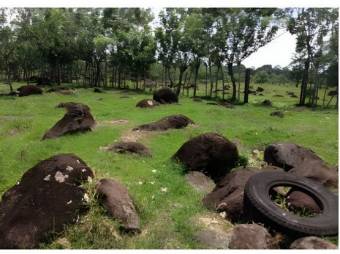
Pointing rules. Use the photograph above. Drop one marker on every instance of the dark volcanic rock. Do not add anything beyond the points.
(29, 90)
(58, 89)
(43, 81)
(251, 236)
(300, 161)
(312, 242)
(131, 147)
(228, 194)
(78, 118)
(165, 95)
(299, 200)
(259, 89)
(47, 197)
(277, 113)
(168, 122)
(288, 155)
(209, 153)
(97, 90)
(147, 103)
(115, 198)
(267, 103)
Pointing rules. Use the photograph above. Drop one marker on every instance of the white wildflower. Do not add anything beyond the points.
(86, 198)
(164, 189)
(89, 179)
(140, 182)
(154, 171)
(152, 182)
(223, 215)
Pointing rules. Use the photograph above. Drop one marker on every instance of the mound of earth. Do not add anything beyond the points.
(312, 242)
(259, 89)
(267, 103)
(165, 95)
(251, 236)
(277, 113)
(77, 119)
(58, 89)
(300, 161)
(210, 153)
(147, 103)
(168, 122)
(43, 81)
(28, 90)
(47, 198)
(97, 90)
(226, 104)
(117, 201)
(333, 93)
(131, 147)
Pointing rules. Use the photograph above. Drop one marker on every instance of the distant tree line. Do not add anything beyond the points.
(126, 47)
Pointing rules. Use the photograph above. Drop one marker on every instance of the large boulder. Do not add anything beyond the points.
(117, 201)
(228, 194)
(131, 147)
(210, 153)
(165, 95)
(251, 236)
(312, 242)
(147, 103)
(29, 90)
(300, 161)
(78, 118)
(47, 198)
(168, 122)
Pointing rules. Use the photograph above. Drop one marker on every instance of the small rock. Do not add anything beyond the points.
(277, 113)
(250, 236)
(300, 200)
(64, 243)
(116, 199)
(214, 232)
(312, 242)
(200, 181)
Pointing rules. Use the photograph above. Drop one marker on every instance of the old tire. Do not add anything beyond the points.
(259, 203)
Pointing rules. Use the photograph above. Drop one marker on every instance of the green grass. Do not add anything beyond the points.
(165, 216)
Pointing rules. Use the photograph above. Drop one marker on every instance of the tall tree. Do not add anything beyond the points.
(310, 25)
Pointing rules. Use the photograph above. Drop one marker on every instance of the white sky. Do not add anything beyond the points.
(278, 52)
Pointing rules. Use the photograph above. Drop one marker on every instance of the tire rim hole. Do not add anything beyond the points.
(295, 200)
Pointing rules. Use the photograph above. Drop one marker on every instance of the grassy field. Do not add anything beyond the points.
(166, 217)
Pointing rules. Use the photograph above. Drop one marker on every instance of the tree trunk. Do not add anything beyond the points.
(179, 85)
(211, 81)
(233, 81)
(246, 85)
(304, 83)
(197, 66)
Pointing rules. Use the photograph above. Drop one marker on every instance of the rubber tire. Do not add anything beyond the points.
(257, 197)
